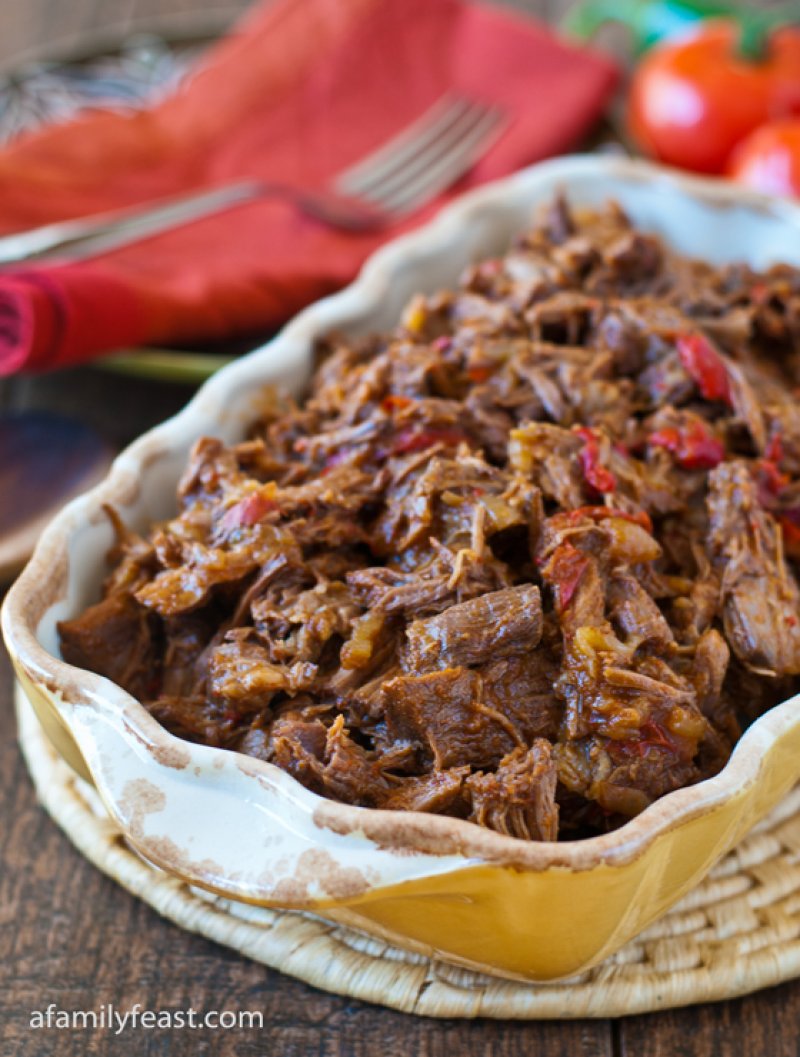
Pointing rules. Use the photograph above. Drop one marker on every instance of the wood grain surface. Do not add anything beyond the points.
(70, 936)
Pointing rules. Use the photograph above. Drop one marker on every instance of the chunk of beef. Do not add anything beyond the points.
(437, 792)
(300, 624)
(709, 668)
(548, 456)
(443, 581)
(760, 596)
(443, 712)
(465, 716)
(337, 767)
(183, 670)
(491, 626)
(241, 675)
(194, 718)
(114, 638)
(180, 590)
(651, 772)
(635, 613)
(634, 256)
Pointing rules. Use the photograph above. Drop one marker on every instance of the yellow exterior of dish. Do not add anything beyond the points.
(43, 704)
(539, 925)
(558, 922)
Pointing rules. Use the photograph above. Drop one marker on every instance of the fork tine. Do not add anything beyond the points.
(382, 189)
(444, 166)
(395, 153)
(415, 169)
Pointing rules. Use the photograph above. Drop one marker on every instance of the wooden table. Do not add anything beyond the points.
(68, 935)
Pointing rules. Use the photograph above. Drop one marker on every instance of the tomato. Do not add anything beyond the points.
(768, 160)
(694, 99)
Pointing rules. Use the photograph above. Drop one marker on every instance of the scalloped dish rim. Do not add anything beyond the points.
(89, 710)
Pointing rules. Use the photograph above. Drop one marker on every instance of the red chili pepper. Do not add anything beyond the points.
(602, 513)
(565, 569)
(651, 736)
(599, 477)
(479, 373)
(333, 461)
(759, 292)
(774, 450)
(153, 688)
(771, 482)
(706, 367)
(409, 440)
(693, 445)
(791, 533)
(491, 267)
(247, 512)
(395, 402)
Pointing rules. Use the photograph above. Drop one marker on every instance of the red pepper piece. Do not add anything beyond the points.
(694, 445)
(791, 533)
(395, 402)
(706, 367)
(410, 440)
(759, 293)
(771, 482)
(479, 373)
(153, 688)
(247, 512)
(598, 476)
(490, 267)
(602, 513)
(651, 736)
(566, 567)
(774, 450)
(334, 460)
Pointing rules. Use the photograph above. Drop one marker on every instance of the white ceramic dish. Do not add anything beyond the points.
(247, 829)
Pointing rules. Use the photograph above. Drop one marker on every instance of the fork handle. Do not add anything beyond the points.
(89, 236)
(123, 225)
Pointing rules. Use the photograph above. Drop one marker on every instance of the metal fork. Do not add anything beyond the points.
(395, 180)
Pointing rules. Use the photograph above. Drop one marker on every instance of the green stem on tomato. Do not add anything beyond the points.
(648, 21)
(756, 26)
(651, 21)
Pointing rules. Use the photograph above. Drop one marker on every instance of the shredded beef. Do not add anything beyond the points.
(529, 560)
(518, 799)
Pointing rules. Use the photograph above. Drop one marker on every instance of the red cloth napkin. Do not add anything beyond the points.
(299, 91)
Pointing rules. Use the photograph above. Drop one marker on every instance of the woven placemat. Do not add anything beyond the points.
(737, 932)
